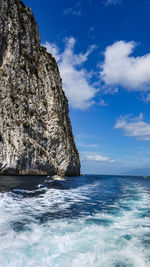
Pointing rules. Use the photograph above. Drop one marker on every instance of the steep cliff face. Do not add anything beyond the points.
(35, 130)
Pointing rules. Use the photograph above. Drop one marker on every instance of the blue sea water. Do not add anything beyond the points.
(82, 221)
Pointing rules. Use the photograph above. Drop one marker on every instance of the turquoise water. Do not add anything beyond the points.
(82, 221)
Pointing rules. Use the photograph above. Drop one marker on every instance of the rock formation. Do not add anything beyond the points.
(35, 131)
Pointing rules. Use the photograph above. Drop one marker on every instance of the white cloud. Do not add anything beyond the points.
(97, 158)
(53, 49)
(76, 80)
(109, 89)
(102, 103)
(76, 11)
(68, 11)
(121, 69)
(112, 2)
(87, 145)
(146, 98)
(135, 127)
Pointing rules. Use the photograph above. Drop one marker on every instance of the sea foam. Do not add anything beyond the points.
(97, 223)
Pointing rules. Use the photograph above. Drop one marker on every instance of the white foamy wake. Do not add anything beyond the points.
(117, 236)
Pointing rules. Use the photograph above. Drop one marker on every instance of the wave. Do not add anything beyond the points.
(97, 223)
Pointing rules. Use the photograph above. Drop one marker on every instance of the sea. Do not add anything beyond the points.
(91, 220)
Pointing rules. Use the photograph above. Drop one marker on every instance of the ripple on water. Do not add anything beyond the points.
(98, 222)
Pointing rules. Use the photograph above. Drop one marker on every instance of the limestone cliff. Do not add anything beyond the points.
(35, 131)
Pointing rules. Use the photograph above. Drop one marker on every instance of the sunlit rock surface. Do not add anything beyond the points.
(35, 131)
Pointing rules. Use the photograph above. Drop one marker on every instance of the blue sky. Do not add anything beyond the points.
(103, 51)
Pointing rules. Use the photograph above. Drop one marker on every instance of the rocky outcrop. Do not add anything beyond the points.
(35, 131)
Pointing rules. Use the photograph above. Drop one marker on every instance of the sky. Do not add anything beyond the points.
(102, 48)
